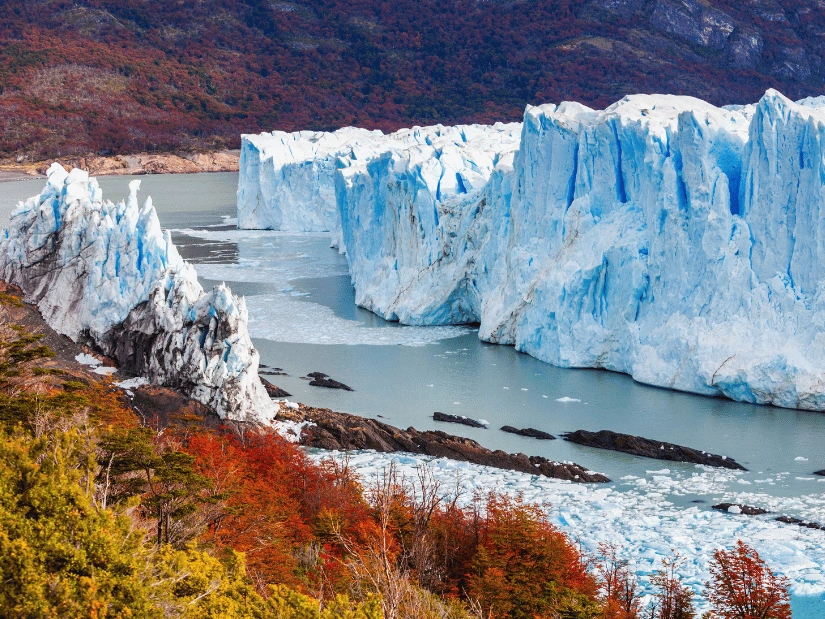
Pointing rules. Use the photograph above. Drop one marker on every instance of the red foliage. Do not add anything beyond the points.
(143, 75)
(275, 501)
(522, 566)
(619, 589)
(742, 586)
(672, 600)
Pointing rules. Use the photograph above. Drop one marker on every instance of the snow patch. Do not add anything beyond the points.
(87, 359)
(133, 383)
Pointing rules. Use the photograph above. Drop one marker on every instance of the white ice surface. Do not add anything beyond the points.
(133, 383)
(87, 359)
(105, 273)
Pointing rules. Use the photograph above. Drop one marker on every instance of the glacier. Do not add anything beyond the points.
(106, 275)
(662, 237)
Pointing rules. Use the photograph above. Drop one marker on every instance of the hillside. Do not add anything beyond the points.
(125, 76)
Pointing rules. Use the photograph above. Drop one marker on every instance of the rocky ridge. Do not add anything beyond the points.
(339, 431)
(647, 448)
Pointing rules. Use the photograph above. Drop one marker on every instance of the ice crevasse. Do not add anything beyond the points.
(106, 275)
(663, 237)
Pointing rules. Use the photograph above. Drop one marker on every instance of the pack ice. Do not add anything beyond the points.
(106, 275)
(663, 237)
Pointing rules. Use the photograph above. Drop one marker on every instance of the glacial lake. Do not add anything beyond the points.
(303, 319)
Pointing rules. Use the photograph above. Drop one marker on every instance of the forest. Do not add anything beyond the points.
(127, 76)
(106, 513)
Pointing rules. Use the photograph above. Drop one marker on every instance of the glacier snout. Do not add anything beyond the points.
(663, 237)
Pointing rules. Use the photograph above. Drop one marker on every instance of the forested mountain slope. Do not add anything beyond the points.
(142, 75)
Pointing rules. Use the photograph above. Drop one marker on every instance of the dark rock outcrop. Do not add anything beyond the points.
(465, 421)
(647, 448)
(799, 522)
(694, 22)
(747, 510)
(319, 379)
(531, 432)
(340, 431)
(273, 391)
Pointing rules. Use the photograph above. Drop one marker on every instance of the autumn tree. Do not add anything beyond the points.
(524, 567)
(742, 586)
(672, 600)
(619, 593)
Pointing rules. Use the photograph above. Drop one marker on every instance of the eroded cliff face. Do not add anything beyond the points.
(107, 275)
(662, 237)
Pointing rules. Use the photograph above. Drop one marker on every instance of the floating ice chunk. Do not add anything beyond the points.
(484, 422)
(735, 509)
(801, 459)
(567, 399)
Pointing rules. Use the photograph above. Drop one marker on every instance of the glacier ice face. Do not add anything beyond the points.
(288, 179)
(106, 274)
(662, 237)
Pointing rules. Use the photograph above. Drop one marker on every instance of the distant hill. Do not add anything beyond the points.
(119, 76)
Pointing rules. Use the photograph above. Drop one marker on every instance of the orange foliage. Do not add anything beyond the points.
(523, 566)
(276, 503)
(742, 586)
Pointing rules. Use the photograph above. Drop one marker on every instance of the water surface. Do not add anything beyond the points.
(300, 300)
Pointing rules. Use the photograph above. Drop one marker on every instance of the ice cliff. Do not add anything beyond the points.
(662, 237)
(105, 274)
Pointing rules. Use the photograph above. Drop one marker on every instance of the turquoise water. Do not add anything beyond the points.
(296, 285)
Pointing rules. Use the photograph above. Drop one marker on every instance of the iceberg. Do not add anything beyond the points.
(106, 275)
(662, 237)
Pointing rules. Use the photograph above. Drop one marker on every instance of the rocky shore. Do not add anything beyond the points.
(118, 165)
(647, 448)
(340, 431)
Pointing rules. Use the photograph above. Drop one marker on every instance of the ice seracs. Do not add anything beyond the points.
(663, 237)
(107, 275)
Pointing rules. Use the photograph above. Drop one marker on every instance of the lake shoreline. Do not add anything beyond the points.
(121, 165)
